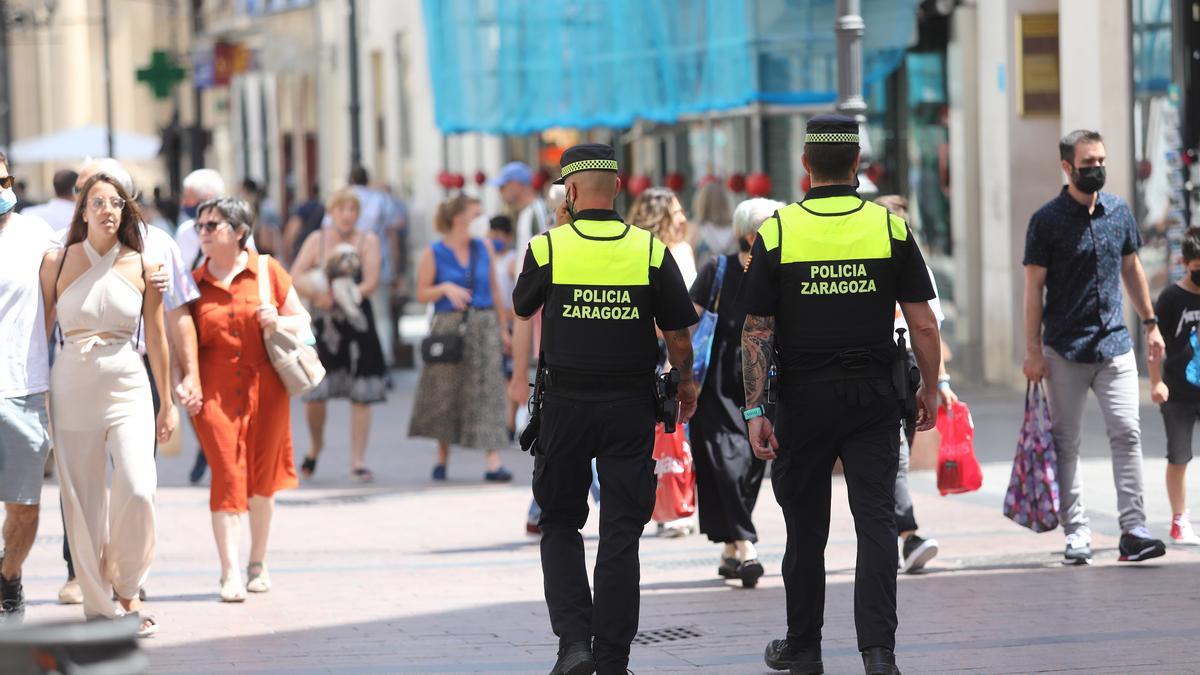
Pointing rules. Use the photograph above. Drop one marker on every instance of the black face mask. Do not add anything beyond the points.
(1194, 275)
(1089, 179)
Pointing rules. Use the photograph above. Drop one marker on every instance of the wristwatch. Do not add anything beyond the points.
(750, 413)
(1152, 321)
(943, 382)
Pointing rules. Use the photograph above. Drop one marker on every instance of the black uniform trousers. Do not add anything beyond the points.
(618, 430)
(858, 421)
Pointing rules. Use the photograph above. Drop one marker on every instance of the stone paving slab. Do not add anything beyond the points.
(406, 577)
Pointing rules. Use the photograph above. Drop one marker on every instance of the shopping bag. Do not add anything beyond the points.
(1032, 497)
(676, 495)
(958, 469)
(702, 337)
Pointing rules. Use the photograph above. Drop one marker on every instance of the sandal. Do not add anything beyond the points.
(728, 569)
(749, 572)
(147, 624)
(232, 590)
(362, 475)
(260, 581)
(308, 466)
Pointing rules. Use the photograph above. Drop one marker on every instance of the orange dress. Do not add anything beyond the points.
(244, 425)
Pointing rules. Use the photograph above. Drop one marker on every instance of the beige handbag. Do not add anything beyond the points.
(297, 363)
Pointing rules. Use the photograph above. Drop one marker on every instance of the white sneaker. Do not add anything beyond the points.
(1079, 549)
(1182, 533)
(70, 593)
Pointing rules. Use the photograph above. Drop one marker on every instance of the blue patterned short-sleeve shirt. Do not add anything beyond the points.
(1082, 252)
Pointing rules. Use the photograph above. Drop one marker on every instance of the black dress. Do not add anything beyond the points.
(348, 346)
(728, 475)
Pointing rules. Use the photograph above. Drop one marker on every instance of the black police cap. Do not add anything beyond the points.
(831, 129)
(587, 157)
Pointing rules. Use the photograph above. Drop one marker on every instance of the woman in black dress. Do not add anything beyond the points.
(336, 271)
(728, 475)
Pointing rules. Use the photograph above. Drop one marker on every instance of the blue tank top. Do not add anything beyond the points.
(448, 268)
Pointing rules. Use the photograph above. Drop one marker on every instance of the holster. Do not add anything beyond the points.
(666, 398)
(906, 379)
(529, 436)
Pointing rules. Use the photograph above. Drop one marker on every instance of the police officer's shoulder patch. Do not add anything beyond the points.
(540, 247)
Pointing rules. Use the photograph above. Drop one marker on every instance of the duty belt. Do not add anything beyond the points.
(840, 369)
(561, 378)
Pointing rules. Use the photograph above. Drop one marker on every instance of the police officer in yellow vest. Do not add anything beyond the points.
(821, 291)
(602, 286)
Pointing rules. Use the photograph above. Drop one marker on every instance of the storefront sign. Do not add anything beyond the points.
(1037, 85)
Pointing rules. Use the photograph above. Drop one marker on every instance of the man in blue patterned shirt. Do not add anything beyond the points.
(1078, 249)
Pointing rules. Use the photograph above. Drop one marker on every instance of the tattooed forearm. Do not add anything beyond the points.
(757, 335)
(679, 351)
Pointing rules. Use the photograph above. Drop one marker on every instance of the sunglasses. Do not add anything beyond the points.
(97, 203)
(7, 182)
(211, 226)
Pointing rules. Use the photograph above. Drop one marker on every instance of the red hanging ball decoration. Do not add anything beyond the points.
(675, 181)
(443, 179)
(480, 177)
(540, 178)
(457, 181)
(638, 184)
(736, 183)
(758, 185)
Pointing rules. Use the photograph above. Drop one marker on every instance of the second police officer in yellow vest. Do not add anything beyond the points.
(821, 290)
(602, 286)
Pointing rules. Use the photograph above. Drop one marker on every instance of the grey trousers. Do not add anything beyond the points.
(1115, 384)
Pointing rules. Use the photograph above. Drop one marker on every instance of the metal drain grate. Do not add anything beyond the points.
(661, 635)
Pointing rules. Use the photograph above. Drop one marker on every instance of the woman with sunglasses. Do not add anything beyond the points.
(244, 422)
(100, 404)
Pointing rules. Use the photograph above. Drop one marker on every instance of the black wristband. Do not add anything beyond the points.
(1152, 321)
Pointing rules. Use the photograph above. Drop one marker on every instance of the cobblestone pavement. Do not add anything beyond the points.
(405, 577)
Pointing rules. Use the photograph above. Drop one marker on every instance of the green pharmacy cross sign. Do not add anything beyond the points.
(162, 74)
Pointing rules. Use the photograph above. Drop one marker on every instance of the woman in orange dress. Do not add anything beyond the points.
(244, 421)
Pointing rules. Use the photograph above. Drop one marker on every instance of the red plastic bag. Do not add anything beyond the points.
(958, 468)
(676, 496)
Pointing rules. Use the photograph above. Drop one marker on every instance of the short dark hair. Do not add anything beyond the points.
(1066, 145)
(358, 175)
(501, 224)
(831, 161)
(250, 185)
(64, 184)
(236, 212)
(1189, 245)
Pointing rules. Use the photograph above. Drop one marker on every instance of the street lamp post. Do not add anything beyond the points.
(355, 130)
(849, 28)
(108, 102)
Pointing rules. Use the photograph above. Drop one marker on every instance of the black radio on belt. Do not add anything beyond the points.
(666, 397)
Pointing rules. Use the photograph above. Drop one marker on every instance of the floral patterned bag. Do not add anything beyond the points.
(1032, 497)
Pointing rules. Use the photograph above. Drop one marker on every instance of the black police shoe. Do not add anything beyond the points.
(799, 660)
(879, 661)
(575, 659)
(12, 600)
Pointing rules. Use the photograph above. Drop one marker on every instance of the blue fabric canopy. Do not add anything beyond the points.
(521, 66)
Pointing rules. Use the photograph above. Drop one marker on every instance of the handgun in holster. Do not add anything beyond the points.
(666, 398)
(906, 379)
(529, 436)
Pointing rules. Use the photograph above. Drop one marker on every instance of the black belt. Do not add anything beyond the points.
(561, 378)
(835, 372)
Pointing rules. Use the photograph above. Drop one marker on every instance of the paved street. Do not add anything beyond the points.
(405, 577)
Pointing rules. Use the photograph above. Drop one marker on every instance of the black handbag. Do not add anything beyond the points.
(449, 347)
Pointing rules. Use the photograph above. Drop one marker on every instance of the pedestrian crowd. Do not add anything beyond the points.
(115, 319)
